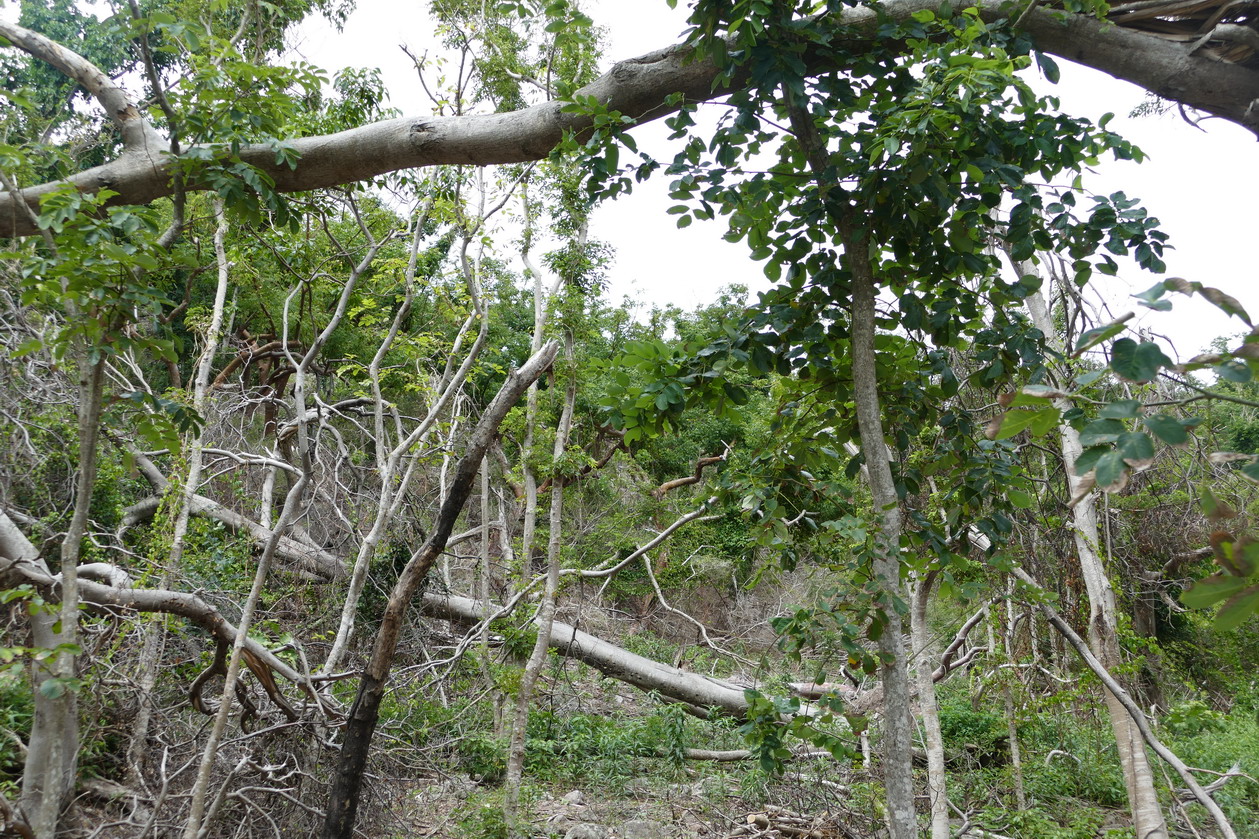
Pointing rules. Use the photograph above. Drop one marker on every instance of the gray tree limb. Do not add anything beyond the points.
(640, 88)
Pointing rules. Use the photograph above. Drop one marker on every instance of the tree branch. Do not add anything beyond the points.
(138, 135)
(641, 88)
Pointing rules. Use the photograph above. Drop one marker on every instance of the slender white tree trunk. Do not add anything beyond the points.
(926, 654)
(1012, 729)
(1103, 638)
(546, 609)
(155, 627)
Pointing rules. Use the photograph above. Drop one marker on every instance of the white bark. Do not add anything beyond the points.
(695, 690)
(545, 619)
(195, 827)
(1134, 712)
(1012, 729)
(925, 654)
(54, 731)
(155, 629)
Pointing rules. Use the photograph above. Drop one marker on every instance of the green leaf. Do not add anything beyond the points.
(1097, 335)
(1212, 590)
(1110, 469)
(1101, 431)
(1136, 449)
(1017, 420)
(1045, 422)
(1048, 66)
(1125, 409)
(1019, 498)
(1168, 429)
(1233, 371)
(1226, 303)
(1087, 461)
(1137, 362)
(1241, 606)
(53, 688)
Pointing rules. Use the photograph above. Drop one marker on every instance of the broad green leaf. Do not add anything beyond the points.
(1101, 431)
(1168, 429)
(1045, 421)
(1137, 449)
(1019, 419)
(1019, 498)
(1234, 371)
(1125, 409)
(1110, 470)
(1086, 462)
(1241, 606)
(1226, 303)
(1213, 507)
(1212, 590)
(1029, 400)
(1098, 334)
(1137, 362)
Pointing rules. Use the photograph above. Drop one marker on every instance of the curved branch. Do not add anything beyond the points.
(654, 85)
(659, 492)
(137, 134)
(20, 562)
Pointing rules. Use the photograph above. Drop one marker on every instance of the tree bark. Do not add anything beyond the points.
(52, 757)
(897, 757)
(54, 732)
(695, 690)
(926, 654)
(1134, 712)
(546, 609)
(155, 630)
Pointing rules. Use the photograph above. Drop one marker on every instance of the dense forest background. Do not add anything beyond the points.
(362, 510)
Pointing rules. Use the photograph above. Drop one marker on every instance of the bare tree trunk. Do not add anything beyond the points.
(926, 653)
(894, 668)
(54, 730)
(695, 690)
(1012, 729)
(1134, 712)
(540, 303)
(52, 753)
(1103, 636)
(546, 609)
(361, 723)
(155, 629)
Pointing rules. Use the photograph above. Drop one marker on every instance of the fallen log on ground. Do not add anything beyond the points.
(695, 690)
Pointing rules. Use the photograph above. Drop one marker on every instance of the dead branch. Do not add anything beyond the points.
(667, 486)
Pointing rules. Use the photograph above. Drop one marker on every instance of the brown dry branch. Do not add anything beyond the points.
(700, 464)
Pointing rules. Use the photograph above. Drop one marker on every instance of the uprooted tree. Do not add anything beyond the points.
(906, 128)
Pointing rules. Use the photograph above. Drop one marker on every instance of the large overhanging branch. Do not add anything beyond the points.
(138, 135)
(641, 89)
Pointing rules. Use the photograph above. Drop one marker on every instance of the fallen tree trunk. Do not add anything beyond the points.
(694, 689)
(698, 692)
(303, 558)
